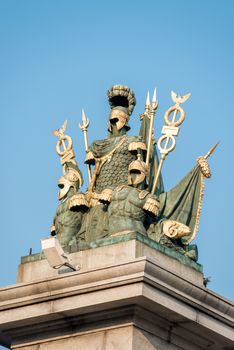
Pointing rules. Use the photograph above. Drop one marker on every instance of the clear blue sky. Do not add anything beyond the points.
(59, 56)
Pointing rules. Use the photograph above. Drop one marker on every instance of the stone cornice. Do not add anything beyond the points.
(138, 273)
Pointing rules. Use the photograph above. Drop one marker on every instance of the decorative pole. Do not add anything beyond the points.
(60, 134)
(203, 164)
(65, 152)
(167, 141)
(151, 112)
(84, 127)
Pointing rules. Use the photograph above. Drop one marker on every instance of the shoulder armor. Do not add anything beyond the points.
(89, 159)
(78, 200)
(143, 194)
(135, 145)
(152, 205)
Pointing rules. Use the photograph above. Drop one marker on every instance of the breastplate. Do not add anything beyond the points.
(114, 171)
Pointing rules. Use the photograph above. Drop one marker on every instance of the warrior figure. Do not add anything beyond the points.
(130, 204)
(119, 197)
(111, 158)
(69, 213)
(113, 155)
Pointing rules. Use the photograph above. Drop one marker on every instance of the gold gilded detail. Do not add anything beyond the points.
(199, 208)
(126, 93)
(78, 200)
(121, 117)
(89, 157)
(52, 230)
(64, 150)
(106, 195)
(140, 168)
(100, 161)
(135, 145)
(143, 194)
(202, 186)
(84, 127)
(167, 142)
(150, 111)
(151, 205)
(68, 157)
(174, 229)
(204, 166)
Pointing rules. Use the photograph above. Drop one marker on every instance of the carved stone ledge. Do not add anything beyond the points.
(152, 298)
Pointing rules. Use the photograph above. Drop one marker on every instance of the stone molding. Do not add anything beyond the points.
(142, 284)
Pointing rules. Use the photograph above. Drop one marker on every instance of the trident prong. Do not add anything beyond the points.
(84, 127)
(85, 122)
(154, 99)
(151, 111)
(147, 103)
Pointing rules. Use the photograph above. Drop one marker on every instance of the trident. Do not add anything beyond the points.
(150, 111)
(167, 142)
(84, 127)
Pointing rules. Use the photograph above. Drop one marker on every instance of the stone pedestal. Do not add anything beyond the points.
(129, 293)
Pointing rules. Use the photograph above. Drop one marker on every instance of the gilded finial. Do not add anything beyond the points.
(154, 99)
(147, 103)
(84, 127)
(179, 99)
(64, 146)
(211, 150)
(60, 132)
(85, 121)
(167, 142)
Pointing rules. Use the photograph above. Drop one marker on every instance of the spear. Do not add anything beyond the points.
(84, 127)
(151, 111)
(208, 154)
(167, 142)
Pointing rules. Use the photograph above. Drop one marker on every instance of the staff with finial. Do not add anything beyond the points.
(211, 150)
(202, 162)
(150, 110)
(167, 142)
(65, 152)
(84, 127)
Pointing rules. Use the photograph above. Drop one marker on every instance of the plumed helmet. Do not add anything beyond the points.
(140, 168)
(122, 102)
(72, 178)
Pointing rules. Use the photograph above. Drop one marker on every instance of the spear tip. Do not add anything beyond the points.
(211, 150)
(83, 115)
(154, 99)
(148, 100)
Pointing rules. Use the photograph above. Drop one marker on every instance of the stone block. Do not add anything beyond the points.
(127, 295)
(109, 254)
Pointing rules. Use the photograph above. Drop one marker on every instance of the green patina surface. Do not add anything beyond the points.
(124, 238)
(124, 195)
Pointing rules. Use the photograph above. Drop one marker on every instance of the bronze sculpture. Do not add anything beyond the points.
(126, 193)
(69, 213)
